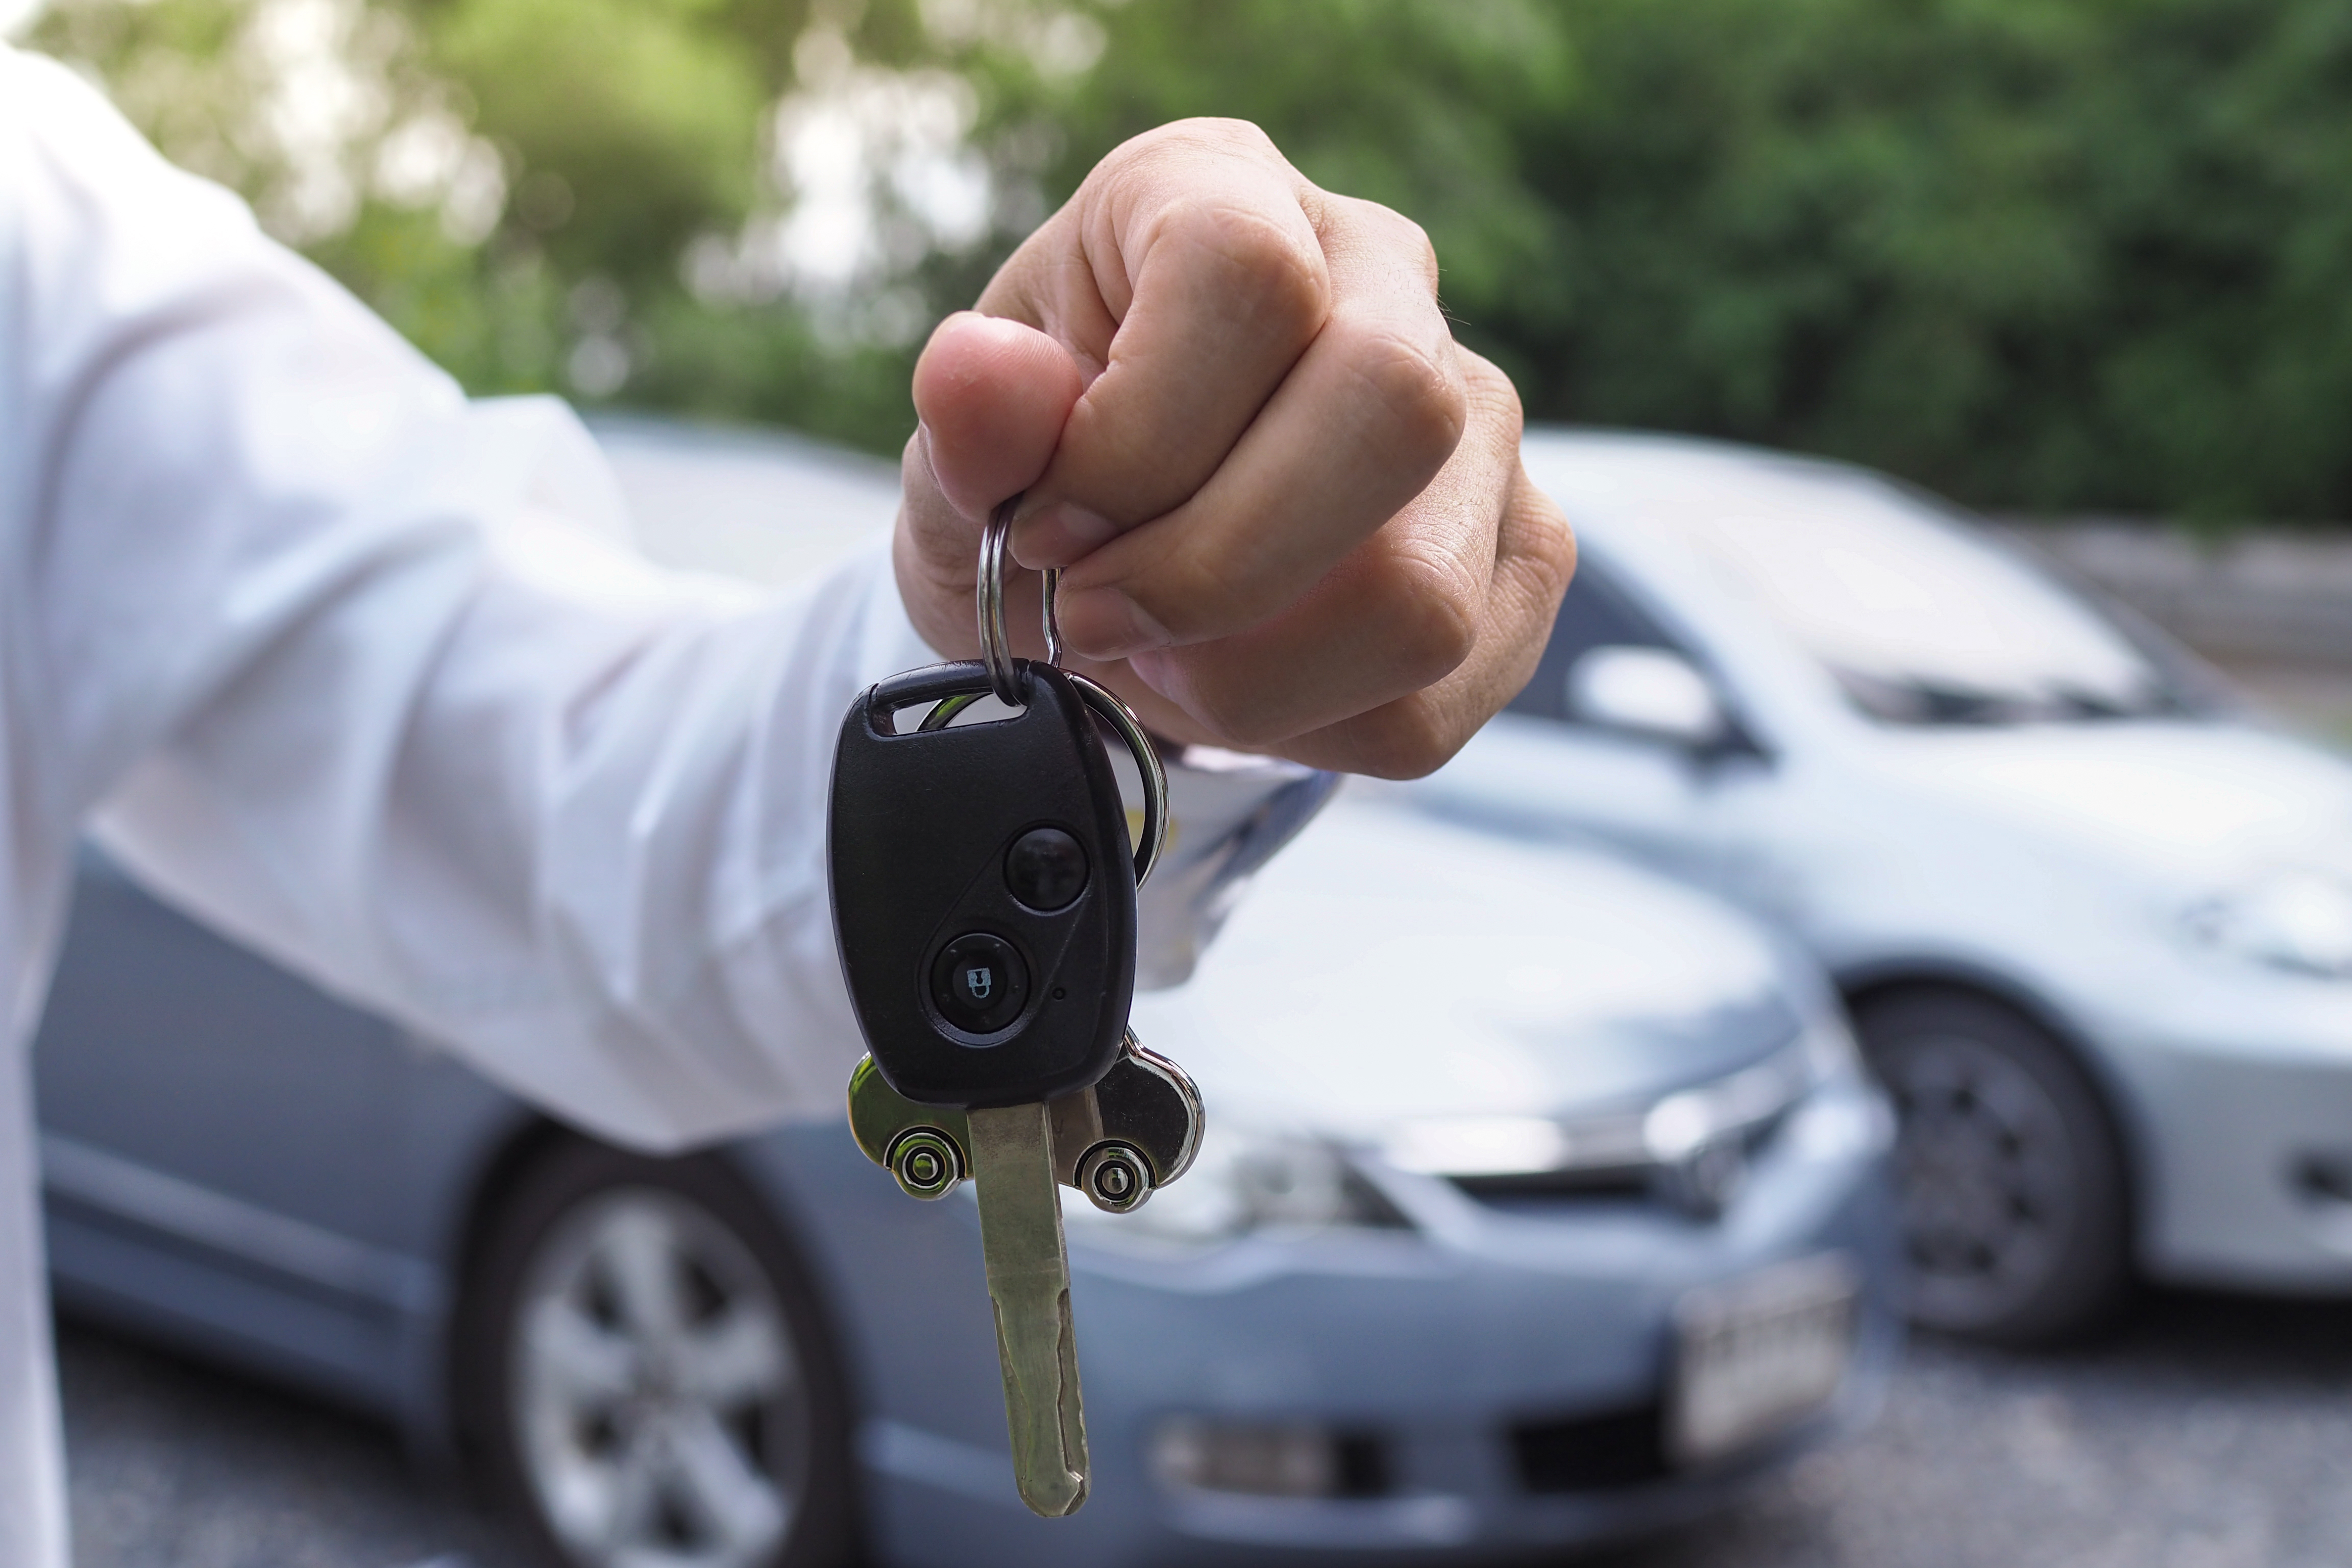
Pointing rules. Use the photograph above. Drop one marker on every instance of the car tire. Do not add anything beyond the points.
(644, 1371)
(2008, 1173)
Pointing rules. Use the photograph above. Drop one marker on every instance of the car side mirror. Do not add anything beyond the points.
(1648, 692)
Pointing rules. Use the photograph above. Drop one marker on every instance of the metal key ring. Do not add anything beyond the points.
(995, 647)
(1121, 718)
(1009, 682)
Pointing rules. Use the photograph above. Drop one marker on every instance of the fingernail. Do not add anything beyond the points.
(1058, 534)
(1104, 623)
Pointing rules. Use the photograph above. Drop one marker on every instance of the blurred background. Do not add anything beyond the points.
(2083, 269)
(2079, 262)
(2041, 258)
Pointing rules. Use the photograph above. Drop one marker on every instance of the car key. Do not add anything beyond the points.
(983, 896)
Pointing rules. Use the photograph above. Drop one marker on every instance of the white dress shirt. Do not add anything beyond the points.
(336, 659)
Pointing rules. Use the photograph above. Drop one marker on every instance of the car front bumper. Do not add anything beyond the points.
(1494, 1355)
(2240, 1096)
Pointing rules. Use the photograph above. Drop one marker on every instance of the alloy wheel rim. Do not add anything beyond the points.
(659, 1407)
(1984, 1173)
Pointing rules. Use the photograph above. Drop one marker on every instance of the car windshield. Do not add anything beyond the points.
(1919, 622)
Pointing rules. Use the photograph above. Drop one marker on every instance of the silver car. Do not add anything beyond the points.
(2093, 921)
(1542, 1202)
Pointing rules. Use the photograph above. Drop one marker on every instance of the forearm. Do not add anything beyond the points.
(572, 828)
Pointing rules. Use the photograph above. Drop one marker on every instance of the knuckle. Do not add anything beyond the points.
(1410, 240)
(1271, 269)
(1538, 532)
(1217, 135)
(1558, 547)
(1430, 614)
(1420, 389)
(1186, 154)
(1245, 138)
(1491, 393)
(1425, 254)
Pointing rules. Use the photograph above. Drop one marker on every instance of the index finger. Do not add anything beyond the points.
(1204, 282)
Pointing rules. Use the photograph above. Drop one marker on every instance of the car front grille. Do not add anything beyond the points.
(1607, 1451)
(1542, 1189)
(1364, 1467)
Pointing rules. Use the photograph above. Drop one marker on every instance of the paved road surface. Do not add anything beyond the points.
(2211, 1433)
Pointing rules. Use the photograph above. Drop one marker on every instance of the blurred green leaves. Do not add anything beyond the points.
(636, 123)
(1413, 103)
(2041, 254)
(516, 184)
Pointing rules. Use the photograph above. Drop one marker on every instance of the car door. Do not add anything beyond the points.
(216, 1144)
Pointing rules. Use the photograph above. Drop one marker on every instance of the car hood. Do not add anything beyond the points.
(1390, 965)
(2187, 802)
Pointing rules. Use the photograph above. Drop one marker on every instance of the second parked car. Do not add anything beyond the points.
(2093, 920)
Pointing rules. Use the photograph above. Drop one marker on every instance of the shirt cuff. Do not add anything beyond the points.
(1228, 813)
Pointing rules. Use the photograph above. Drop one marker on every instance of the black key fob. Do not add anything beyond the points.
(983, 890)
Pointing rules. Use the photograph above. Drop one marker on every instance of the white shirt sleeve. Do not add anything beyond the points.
(340, 656)
(362, 673)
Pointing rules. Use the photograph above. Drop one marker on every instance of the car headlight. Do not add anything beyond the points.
(2300, 921)
(1248, 1179)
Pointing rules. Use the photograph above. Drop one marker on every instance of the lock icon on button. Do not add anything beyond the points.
(980, 984)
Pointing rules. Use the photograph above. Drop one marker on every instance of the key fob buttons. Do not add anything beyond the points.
(983, 887)
(979, 982)
(1046, 869)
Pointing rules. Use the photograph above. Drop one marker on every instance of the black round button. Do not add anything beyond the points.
(1047, 869)
(979, 984)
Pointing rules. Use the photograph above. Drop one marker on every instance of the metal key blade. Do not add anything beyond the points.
(1029, 1282)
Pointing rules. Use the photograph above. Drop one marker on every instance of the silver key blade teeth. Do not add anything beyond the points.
(1029, 1285)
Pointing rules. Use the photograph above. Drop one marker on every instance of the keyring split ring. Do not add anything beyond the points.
(995, 647)
(1010, 683)
(1121, 718)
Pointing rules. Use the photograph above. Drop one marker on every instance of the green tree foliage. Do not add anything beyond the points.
(2041, 254)
(2038, 254)
(2071, 256)
(612, 135)
(634, 125)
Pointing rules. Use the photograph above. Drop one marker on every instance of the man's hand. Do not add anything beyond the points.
(1289, 507)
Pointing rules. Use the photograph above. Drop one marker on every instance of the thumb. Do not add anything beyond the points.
(993, 396)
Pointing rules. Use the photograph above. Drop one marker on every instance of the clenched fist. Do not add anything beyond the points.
(1289, 507)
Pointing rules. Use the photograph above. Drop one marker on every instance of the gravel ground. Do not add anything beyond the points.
(2209, 1433)
(173, 1465)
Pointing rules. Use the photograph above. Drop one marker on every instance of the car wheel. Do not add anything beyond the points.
(2008, 1170)
(644, 1370)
